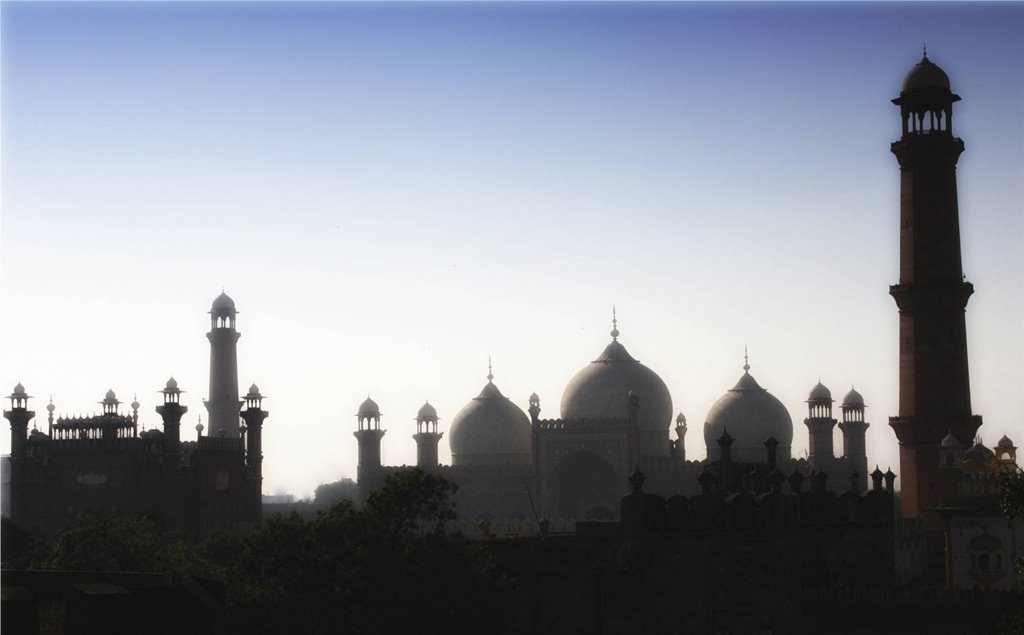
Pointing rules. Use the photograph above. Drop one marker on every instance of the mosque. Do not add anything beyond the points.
(615, 419)
(616, 416)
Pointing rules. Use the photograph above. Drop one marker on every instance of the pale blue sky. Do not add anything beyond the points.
(393, 192)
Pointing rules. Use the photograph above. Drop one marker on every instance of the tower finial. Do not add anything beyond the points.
(924, 49)
(615, 325)
(746, 359)
(490, 371)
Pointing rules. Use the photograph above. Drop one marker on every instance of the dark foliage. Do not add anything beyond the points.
(1011, 502)
(17, 546)
(387, 568)
(123, 543)
(330, 493)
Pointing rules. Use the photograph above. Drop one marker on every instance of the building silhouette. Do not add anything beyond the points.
(932, 294)
(104, 464)
(616, 417)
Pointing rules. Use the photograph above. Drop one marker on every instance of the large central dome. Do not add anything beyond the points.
(599, 391)
(490, 430)
(750, 414)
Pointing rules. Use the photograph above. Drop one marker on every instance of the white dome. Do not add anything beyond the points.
(750, 414)
(599, 391)
(490, 430)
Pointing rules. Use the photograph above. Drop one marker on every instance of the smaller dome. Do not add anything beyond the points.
(50, 407)
(534, 397)
(853, 399)
(151, 435)
(979, 453)
(950, 441)
(199, 427)
(254, 391)
(925, 75)
(172, 385)
(1005, 442)
(427, 411)
(110, 397)
(19, 391)
(223, 302)
(680, 419)
(368, 408)
(820, 393)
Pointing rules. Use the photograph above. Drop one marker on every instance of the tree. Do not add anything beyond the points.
(20, 547)
(123, 543)
(386, 568)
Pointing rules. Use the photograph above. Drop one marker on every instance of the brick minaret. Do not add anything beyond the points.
(932, 293)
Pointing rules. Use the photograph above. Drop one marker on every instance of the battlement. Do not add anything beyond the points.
(581, 425)
(105, 426)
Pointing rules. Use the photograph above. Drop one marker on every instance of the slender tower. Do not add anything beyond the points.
(427, 436)
(935, 395)
(854, 426)
(19, 415)
(171, 412)
(223, 405)
(368, 434)
(252, 430)
(681, 436)
(820, 424)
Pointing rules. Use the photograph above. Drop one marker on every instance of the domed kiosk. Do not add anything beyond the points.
(490, 430)
(600, 389)
(750, 414)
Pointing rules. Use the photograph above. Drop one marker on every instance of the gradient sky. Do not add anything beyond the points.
(394, 192)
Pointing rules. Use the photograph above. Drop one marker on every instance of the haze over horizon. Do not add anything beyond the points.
(392, 193)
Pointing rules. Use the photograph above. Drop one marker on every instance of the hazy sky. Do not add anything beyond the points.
(394, 192)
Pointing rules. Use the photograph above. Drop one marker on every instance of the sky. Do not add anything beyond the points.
(393, 193)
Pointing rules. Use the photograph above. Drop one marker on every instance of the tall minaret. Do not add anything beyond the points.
(427, 436)
(935, 393)
(819, 424)
(223, 405)
(19, 415)
(171, 412)
(854, 426)
(368, 434)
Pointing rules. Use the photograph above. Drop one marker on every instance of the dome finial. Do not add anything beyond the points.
(615, 325)
(924, 50)
(490, 371)
(746, 359)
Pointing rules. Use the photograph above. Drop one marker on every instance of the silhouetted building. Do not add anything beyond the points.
(982, 545)
(932, 294)
(616, 414)
(103, 463)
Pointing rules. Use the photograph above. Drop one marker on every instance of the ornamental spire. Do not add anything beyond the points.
(746, 359)
(490, 371)
(615, 325)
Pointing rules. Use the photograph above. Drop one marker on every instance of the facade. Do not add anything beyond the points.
(982, 544)
(616, 417)
(104, 464)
